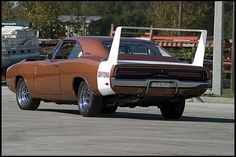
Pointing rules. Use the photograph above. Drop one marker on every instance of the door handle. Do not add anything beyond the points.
(56, 66)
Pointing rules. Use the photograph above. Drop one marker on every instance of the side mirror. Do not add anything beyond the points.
(50, 56)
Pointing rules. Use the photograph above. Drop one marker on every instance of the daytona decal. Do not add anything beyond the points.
(103, 74)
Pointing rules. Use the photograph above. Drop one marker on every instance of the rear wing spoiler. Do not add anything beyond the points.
(105, 67)
(199, 54)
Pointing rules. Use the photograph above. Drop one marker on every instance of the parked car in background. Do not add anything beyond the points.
(101, 73)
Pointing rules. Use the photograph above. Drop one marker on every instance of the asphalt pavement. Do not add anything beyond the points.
(205, 129)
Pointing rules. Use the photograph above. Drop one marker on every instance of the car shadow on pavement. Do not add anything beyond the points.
(144, 116)
(61, 111)
(148, 116)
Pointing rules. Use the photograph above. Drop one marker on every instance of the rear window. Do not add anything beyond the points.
(139, 49)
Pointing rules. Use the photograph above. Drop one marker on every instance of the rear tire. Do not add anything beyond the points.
(23, 98)
(173, 110)
(89, 104)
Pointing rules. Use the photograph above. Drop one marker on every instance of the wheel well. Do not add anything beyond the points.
(76, 84)
(17, 79)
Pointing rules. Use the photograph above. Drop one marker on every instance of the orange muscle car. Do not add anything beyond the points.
(101, 73)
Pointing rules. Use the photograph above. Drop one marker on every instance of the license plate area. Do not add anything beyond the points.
(164, 84)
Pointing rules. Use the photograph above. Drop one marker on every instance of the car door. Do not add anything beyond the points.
(47, 73)
(46, 78)
(69, 69)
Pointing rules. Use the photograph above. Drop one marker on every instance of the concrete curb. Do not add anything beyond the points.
(218, 100)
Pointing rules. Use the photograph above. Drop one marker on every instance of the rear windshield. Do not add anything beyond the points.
(139, 49)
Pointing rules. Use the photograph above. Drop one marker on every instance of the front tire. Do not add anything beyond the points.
(23, 98)
(89, 104)
(173, 110)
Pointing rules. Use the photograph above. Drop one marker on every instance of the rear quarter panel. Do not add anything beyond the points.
(85, 68)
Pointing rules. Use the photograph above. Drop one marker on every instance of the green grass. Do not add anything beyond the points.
(227, 93)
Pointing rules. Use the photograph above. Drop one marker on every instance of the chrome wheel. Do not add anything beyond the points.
(84, 101)
(89, 104)
(24, 95)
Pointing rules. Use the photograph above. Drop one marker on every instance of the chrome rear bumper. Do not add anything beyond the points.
(159, 83)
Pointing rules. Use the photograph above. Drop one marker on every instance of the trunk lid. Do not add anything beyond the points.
(179, 71)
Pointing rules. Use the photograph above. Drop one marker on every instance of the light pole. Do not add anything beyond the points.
(217, 82)
(232, 54)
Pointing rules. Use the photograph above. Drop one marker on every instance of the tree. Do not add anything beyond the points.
(10, 13)
(42, 14)
(130, 13)
(195, 14)
(228, 19)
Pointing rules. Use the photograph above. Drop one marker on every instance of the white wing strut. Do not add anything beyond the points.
(200, 52)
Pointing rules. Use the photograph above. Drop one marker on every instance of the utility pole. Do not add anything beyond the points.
(180, 15)
(232, 54)
(217, 82)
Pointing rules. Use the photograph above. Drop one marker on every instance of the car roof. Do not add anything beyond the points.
(95, 44)
(108, 38)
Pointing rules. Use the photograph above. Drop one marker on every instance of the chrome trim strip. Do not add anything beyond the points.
(165, 83)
